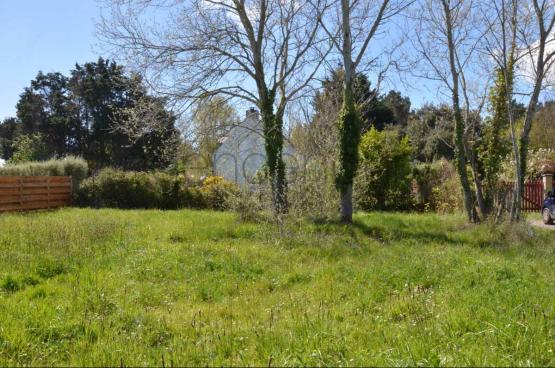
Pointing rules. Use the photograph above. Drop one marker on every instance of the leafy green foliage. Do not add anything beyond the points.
(198, 288)
(9, 130)
(542, 134)
(98, 112)
(375, 110)
(431, 132)
(216, 192)
(127, 189)
(437, 187)
(27, 148)
(384, 177)
(495, 143)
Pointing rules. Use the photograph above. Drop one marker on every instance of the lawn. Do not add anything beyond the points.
(111, 287)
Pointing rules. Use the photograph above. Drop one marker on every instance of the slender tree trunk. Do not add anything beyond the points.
(515, 200)
(478, 185)
(522, 155)
(470, 152)
(460, 156)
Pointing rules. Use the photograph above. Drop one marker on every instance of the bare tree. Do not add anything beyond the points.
(447, 38)
(263, 52)
(354, 26)
(521, 46)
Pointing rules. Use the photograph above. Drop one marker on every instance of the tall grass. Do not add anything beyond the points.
(72, 166)
(112, 287)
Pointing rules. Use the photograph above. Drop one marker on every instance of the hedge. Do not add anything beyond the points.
(128, 189)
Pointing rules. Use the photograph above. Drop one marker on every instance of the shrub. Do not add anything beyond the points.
(312, 191)
(437, 187)
(72, 166)
(383, 181)
(216, 192)
(128, 189)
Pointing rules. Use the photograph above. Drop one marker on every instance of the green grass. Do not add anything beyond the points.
(110, 287)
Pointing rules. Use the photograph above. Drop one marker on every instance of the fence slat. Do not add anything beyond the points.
(20, 193)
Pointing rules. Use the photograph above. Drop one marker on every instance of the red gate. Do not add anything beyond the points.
(533, 196)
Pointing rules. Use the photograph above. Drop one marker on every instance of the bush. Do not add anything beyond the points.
(112, 188)
(437, 187)
(216, 192)
(75, 167)
(177, 191)
(128, 189)
(383, 181)
(312, 191)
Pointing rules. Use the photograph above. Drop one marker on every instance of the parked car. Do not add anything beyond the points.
(548, 208)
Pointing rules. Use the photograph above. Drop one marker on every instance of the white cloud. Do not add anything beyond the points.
(528, 63)
(2, 162)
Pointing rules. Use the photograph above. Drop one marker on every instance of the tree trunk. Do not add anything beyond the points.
(460, 156)
(522, 156)
(347, 204)
(478, 184)
(273, 139)
(461, 163)
(349, 127)
(515, 200)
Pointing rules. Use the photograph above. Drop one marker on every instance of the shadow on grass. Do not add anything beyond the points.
(394, 228)
(404, 231)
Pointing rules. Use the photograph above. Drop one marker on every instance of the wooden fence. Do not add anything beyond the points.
(532, 199)
(22, 193)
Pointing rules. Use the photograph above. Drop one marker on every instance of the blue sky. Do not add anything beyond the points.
(47, 35)
(53, 35)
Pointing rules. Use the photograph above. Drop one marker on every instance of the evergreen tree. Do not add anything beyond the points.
(46, 108)
(9, 130)
(98, 112)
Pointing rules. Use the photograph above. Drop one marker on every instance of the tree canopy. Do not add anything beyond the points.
(98, 112)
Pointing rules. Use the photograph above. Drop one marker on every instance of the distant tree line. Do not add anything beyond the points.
(98, 112)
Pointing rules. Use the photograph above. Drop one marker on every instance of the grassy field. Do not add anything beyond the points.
(108, 287)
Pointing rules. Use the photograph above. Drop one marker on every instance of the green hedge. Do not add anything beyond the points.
(75, 167)
(128, 189)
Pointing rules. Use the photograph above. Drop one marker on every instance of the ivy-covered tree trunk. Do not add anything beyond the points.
(349, 124)
(349, 138)
(273, 141)
(460, 156)
(495, 143)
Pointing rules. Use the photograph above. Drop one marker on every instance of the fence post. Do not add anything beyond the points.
(547, 179)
